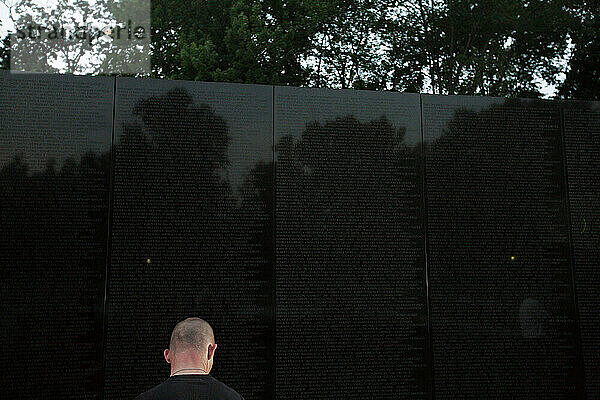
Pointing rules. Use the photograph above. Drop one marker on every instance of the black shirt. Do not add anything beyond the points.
(191, 387)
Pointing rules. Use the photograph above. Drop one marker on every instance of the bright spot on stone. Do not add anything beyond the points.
(511, 257)
(147, 261)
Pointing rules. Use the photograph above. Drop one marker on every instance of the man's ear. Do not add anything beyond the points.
(211, 351)
(167, 358)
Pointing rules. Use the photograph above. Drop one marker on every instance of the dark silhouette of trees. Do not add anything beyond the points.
(494, 48)
(499, 259)
(349, 251)
(185, 242)
(582, 151)
(5, 53)
(583, 77)
(53, 257)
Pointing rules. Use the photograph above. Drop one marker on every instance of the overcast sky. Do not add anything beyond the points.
(4, 19)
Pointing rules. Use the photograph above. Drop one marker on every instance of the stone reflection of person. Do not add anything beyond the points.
(533, 318)
(191, 354)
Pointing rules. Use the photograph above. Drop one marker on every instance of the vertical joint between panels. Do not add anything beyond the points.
(108, 240)
(430, 355)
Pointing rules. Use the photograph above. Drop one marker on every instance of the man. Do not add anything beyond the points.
(191, 354)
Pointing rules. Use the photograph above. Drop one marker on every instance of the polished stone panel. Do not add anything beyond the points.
(582, 148)
(351, 296)
(501, 298)
(55, 137)
(191, 231)
(362, 230)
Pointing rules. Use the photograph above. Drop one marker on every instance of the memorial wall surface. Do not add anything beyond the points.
(582, 144)
(191, 231)
(502, 305)
(343, 244)
(55, 137)
(351, 294)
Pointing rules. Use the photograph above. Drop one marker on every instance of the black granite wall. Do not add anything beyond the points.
(55, 137)
(502, 309)
(351, 285)
(343, 244)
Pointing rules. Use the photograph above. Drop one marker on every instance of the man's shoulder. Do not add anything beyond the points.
(234, 395)
(159, 391)
(147, 395)
(150, 394)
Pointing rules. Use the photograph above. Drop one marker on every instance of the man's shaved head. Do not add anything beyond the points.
(191, 333)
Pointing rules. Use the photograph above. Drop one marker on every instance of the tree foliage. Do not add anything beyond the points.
(5, 53)
(229, 40)
(475, 47)
(583, 78)
(498, 47)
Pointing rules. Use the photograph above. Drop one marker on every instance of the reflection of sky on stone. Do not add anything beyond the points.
(582, 104)
(299, 106)
(53, 116)
(439, 110)
(246, 109)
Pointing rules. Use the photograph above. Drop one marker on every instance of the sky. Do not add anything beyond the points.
(4, 19)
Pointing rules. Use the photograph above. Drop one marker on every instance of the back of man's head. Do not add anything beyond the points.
(191, 353)
(191, 334)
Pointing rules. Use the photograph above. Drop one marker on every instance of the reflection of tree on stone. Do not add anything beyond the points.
(174, 206)
(582, 147)
(53, 257)
(349, 260)
(497, 226)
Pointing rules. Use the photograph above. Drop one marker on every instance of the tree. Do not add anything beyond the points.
(583, 78)
(229, 40)
(474, 47)
(498, 48)
(345, 43)
(5, 53)
(69, 37)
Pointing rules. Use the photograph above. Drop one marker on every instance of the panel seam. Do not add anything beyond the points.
(580, 378)
(108, 239)
(274, 277)
(430, 354)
